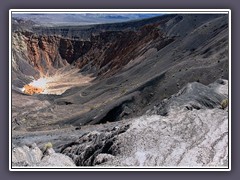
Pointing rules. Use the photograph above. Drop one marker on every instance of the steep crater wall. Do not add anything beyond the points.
(103, 54)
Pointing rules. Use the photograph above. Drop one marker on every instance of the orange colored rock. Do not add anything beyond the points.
(29, 89)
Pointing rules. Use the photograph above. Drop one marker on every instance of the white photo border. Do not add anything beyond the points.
(122, 11)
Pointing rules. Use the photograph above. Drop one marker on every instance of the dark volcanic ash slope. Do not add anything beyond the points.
(133, 65)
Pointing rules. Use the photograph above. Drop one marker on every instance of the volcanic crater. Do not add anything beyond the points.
(95, 76)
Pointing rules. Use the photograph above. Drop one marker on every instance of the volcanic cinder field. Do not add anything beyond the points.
(147, 91)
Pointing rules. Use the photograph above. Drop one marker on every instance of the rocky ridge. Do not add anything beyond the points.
(32, 156)
(193, 132)
(189, 134)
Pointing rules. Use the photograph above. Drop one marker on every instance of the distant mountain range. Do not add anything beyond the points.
(80, 19)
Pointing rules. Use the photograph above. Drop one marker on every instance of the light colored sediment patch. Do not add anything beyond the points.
(57, 83)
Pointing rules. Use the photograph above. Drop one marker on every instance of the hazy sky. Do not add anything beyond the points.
(87, 18)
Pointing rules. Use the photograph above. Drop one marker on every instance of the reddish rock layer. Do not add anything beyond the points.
(104, 53)
(29, 89)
